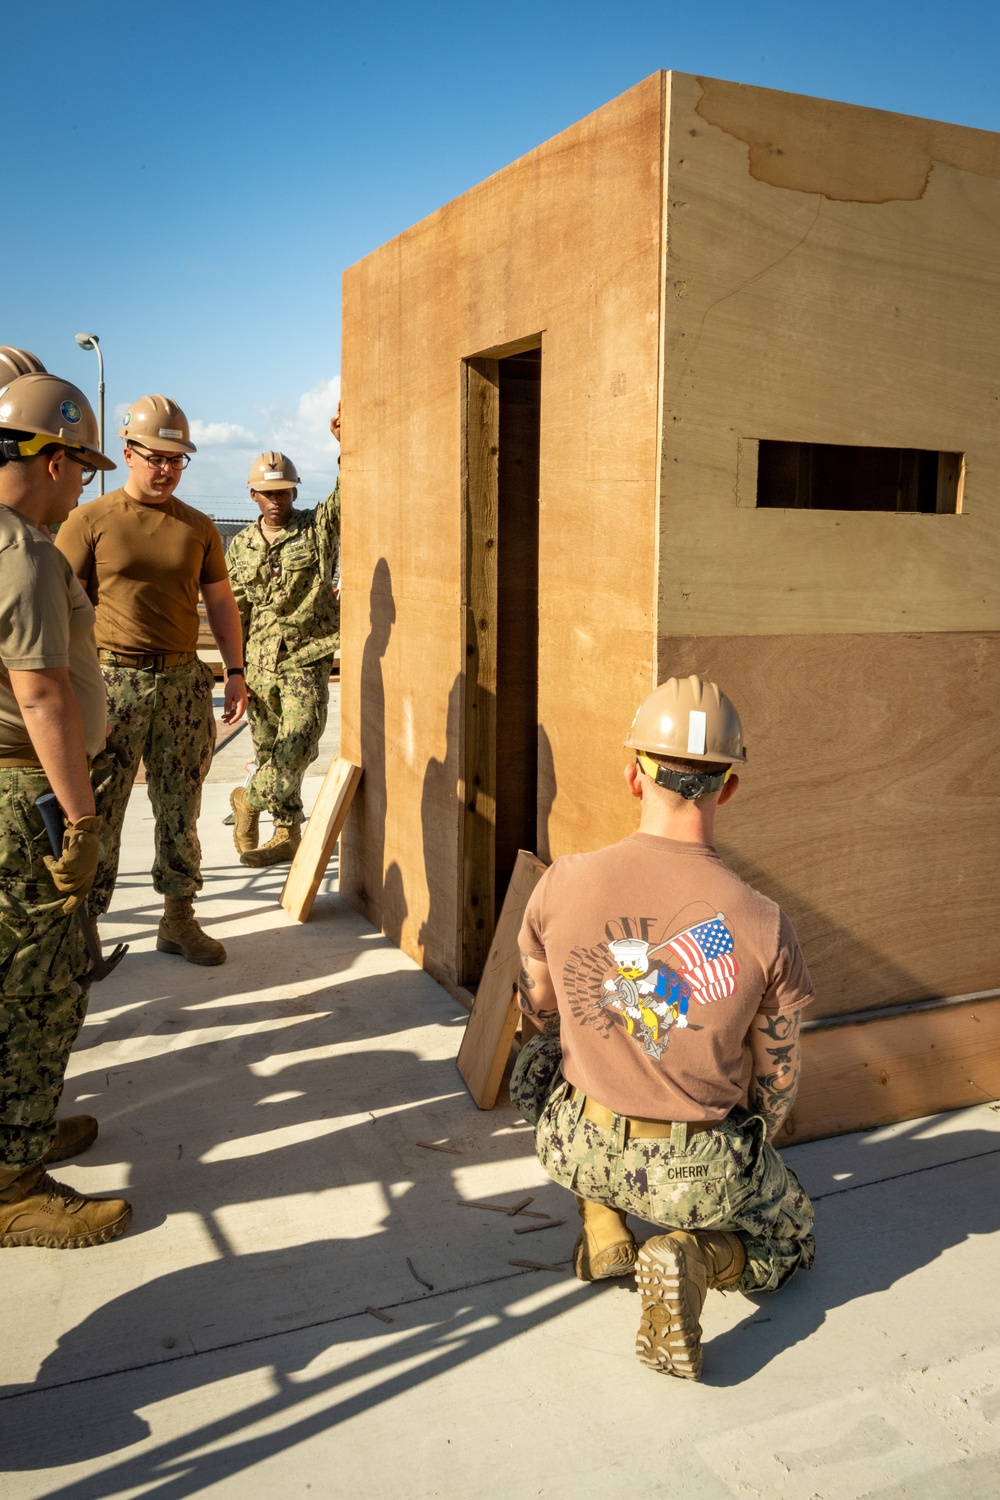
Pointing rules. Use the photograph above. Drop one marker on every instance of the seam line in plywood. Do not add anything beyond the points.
(908, 1007)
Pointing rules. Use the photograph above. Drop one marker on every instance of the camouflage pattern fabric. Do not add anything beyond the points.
(284, 590)
(42, 956)
(725, 1178)
(535, 1074)
(287, 712)
(165, 719)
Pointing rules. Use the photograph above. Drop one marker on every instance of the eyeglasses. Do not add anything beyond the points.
(175, 461)
(89, 469)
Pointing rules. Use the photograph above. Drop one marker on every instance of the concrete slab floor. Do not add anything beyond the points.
(268, 1120)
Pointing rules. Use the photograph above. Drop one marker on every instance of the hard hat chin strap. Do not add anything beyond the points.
(688, 784)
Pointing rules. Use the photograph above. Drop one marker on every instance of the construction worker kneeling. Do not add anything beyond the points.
(651, 970)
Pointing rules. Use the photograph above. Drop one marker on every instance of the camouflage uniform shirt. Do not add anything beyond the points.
(284, 589)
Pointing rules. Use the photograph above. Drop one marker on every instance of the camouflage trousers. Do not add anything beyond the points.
(287, 712)
(42, 958)
(725, 1178)
(164, 719)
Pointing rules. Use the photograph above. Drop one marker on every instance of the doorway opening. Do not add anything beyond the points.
(500, 751)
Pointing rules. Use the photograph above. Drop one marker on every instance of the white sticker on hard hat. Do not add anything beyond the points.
(274, 474)
(696, 732)
(171, 432)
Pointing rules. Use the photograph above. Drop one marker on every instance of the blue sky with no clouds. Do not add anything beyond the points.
(190, 182)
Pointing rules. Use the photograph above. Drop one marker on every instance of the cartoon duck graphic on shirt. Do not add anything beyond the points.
(650, 1001)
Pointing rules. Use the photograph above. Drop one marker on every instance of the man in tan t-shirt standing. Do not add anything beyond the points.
(142, 556)
(653, 973)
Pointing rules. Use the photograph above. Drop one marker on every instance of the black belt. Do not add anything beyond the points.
(146, 661)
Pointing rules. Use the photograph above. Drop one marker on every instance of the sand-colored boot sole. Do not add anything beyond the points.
(200, 954)
(51, 1216)
(279, 849)
(598, 1265)
(672, 1288)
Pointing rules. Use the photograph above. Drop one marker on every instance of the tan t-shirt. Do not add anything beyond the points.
(142, 566)
(661, 958)
(46, 620)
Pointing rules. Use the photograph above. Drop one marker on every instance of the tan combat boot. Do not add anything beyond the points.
(605, 1247)
(280, 847)
(74, 1135)
(180, 933)
(246, 820)
(35, 1210)
(673, 1273)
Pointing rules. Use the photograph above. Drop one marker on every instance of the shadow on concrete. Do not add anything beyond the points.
(364, 833)
(920, 1198)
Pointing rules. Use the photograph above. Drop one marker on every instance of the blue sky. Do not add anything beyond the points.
(190, 181)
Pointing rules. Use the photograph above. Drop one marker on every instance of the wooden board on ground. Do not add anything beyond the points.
(857, 1075)
(491, 1026)
(321, 834)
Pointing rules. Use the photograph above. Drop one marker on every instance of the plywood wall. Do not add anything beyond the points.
(565, 243)
(832, 277)
(868, 808)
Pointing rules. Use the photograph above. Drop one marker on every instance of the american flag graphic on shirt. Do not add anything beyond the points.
(705, 959)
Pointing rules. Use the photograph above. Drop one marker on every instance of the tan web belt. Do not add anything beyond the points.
(146, 661)
(636, 1128)
(20, 762)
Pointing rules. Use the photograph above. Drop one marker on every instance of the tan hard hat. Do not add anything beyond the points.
(15, 362)
(688, 719)
(272, 471)
(159, 424)
(52, 411)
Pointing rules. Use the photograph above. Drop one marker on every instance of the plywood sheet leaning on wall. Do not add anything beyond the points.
(322, 832)
(490, 1030)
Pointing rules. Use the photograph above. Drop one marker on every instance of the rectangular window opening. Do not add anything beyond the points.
(834, 476)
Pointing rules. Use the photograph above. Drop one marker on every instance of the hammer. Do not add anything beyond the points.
(55, 822)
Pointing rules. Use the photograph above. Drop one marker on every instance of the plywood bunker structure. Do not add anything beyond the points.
(709, 382)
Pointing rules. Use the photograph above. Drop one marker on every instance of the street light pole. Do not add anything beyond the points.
(91, 341)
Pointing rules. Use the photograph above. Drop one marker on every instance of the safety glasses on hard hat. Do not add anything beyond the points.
(175, 461)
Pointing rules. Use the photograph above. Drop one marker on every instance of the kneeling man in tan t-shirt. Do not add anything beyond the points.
(651, 971)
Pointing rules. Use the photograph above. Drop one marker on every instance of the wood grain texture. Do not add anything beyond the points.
(322, 831)
(489, 1033)
(897, 1068)
(831, 277)
(482, 440)
(563, 246)
(867, 808)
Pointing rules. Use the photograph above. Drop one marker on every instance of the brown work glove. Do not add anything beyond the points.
(73, 872)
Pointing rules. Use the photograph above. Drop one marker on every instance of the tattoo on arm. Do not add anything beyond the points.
(776, 1069)
(547, 1021)
(525, 977)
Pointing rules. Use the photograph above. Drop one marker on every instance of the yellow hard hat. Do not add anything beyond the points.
(688, 719)
(159, 424)
(272, 471)
(15, 362)
(50, 410)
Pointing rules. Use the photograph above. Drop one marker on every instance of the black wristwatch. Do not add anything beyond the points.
(234, 672)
